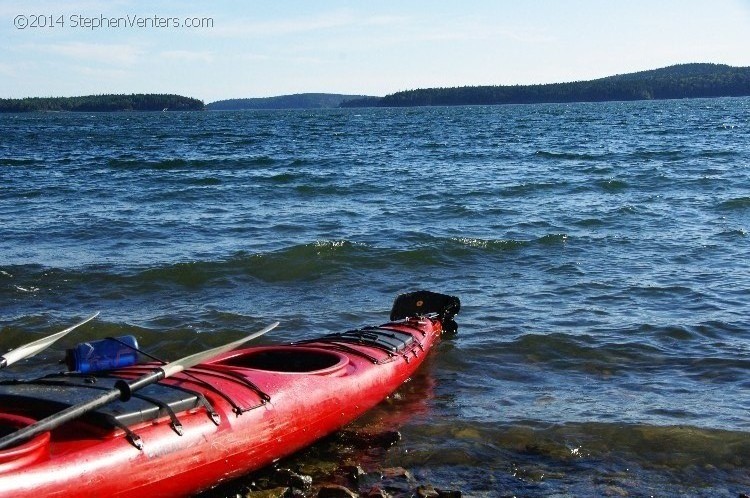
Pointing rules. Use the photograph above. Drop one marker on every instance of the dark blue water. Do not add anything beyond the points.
(601, 253)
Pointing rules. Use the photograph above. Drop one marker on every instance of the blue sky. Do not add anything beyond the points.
(259, 49)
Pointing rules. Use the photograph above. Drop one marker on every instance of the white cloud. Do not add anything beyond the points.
(188, 55)
(110, 54)
(102, 74)
(332, 21)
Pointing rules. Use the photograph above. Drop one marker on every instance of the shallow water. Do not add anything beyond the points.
(600, 252)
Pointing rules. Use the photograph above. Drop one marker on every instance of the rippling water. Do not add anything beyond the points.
(601, 253)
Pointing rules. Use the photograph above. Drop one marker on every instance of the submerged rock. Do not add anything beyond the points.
(353, 472)
(376, 493)
(449, 494)
(365, 440)
(365, 480)
(336, 491)
(427, 491)
(268, 493)
(336, 467)
(318, 469)
(398, 480)
(287, 477)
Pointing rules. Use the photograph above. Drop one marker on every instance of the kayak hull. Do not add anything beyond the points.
(235, 414)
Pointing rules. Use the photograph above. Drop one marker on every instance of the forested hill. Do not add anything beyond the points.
(296, 101)
(94, 103)
(674, 82)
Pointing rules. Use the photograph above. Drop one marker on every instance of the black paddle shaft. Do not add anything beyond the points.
(122, 390)
(59, 418)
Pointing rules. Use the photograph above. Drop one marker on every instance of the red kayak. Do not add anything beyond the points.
(218, 420)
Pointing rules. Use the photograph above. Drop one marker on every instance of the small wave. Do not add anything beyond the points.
(666, 155)
(192, 274)
(284, 178)
(525, 189)
(736, 204)
(487, 247)
(553, 239)
(569, 156)
(717, 153)
(590, 222)
(613, 185)
(150, 164)
(581, 353)
(651, 291)
(193, 164)
(433, 145)
(649, 446)
(9, 161)
(300, 262)
(324, 190)
(206, 182)
(492, 245)
(28, 290)
(731, 234)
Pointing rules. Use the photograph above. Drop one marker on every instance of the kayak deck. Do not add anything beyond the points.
(215, 421)
(243, 410)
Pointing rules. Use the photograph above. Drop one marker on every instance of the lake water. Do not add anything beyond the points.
(601, 253)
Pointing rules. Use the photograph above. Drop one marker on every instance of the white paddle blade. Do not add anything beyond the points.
(178, 366)
(33, 348)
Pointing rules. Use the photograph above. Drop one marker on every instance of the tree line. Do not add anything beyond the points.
(674, 82)
(103, 103)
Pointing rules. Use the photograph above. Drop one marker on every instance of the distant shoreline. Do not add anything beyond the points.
(674, 82)
(296, 101)
(681, 81)
(103, 103)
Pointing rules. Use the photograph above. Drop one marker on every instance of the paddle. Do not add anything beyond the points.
(123, 390)
(33, 348)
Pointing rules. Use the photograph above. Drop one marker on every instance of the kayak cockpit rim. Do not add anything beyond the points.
(291, 359)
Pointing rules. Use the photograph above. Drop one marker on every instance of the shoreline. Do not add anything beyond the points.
(347, 464)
